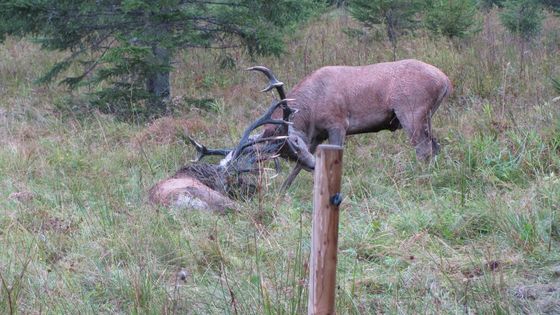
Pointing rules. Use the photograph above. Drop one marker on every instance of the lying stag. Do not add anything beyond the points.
(337, 101)
(212, 187)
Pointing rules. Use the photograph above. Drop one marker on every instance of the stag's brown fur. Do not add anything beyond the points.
(203, 187)
(337, 101)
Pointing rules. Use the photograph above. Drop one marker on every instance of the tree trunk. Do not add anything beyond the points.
(522, 58)
(157, 82)
(391, 33)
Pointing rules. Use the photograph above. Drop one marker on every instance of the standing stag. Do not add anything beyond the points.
(337, 101)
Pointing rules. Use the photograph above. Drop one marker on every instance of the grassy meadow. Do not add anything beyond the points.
(475, 232)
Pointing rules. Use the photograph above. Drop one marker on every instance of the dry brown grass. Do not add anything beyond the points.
(475, 232)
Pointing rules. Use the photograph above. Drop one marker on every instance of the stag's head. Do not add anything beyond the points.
(277, 140)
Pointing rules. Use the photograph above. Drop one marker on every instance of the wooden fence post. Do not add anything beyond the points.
(324, 235)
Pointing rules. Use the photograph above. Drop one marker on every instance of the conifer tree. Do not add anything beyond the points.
(397, 16)
(489, 4)
(523, 18)
(130, 44)
(553, 5)
(451, 18)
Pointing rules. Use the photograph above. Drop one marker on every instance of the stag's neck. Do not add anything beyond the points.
(302, 122)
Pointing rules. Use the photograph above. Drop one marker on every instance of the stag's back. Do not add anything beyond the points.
(366, 97)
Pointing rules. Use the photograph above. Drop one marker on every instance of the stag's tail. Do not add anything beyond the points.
(449, 89)
(446, 90)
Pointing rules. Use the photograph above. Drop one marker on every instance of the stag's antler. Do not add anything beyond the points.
(246, 139)
(202, 151)
(274, 83)
(265, 119)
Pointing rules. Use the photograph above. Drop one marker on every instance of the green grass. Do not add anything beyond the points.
(472, 232)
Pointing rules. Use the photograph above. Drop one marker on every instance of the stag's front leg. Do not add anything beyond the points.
(424, 142)
(298, 167)
(337, 136)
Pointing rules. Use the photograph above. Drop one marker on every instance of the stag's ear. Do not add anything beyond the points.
(300, 152)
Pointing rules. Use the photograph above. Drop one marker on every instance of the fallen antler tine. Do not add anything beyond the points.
(198, 158)
(197, 145)
(202, 151)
